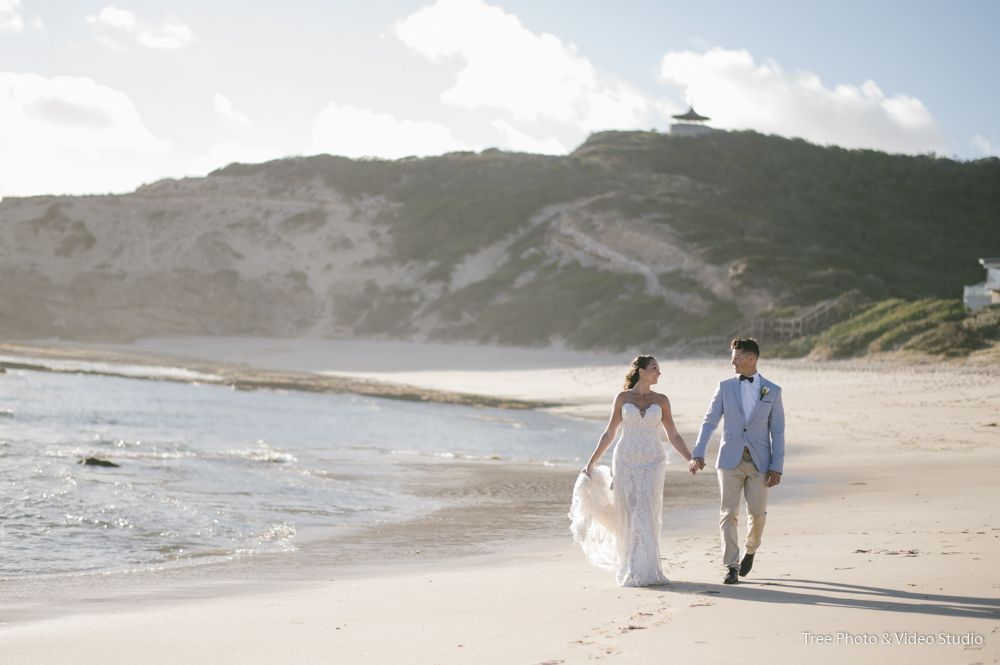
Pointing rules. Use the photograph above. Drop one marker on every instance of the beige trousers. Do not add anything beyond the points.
(744, 479)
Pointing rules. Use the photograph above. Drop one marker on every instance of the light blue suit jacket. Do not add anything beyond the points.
(763, 432)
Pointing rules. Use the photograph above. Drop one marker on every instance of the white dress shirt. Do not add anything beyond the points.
(750, 392)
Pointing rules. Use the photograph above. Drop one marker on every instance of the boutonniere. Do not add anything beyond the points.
(764, 391)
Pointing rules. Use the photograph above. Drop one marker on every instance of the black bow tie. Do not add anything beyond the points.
(746, 378)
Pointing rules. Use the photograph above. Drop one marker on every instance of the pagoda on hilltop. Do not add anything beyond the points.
(691, 124)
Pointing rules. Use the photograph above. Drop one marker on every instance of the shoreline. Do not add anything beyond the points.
(361, 549)
(885, 524)
(242, 377)
(492, 522)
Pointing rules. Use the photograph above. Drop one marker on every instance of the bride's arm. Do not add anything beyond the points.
(673, 436)
(609, 434)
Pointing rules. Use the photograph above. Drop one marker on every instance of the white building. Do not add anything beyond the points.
(979, 295)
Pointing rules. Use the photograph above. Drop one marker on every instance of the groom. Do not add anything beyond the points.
(752, 452)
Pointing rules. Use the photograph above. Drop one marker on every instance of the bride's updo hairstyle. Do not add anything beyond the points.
(640, 362)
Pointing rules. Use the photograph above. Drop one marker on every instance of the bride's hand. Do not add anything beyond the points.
(587, 469)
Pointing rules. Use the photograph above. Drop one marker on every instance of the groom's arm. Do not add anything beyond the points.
(708, 426)
(776, 425)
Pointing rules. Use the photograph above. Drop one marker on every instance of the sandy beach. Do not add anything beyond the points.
(881, 542)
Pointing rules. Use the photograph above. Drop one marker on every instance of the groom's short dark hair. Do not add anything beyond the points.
(746, 344)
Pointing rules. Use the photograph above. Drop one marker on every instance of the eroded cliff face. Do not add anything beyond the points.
(245, 255)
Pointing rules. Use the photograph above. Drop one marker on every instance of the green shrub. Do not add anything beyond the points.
(960, 337)
(941, 327)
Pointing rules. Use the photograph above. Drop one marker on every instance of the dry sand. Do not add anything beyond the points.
(885, 528)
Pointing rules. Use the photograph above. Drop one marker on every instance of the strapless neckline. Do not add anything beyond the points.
(642, 414)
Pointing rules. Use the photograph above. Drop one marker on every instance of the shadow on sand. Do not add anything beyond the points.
(847, 596)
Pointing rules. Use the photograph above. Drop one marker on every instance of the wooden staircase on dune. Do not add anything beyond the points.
(779, 329)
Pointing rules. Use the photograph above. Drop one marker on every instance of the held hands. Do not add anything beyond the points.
(695, 464)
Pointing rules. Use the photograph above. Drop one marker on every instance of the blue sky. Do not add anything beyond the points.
(98, 97)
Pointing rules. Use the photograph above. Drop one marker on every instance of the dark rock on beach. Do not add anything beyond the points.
(94, 461)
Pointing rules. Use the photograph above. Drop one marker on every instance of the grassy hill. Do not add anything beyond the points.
(809, 221)
(636, 238)
(814, 222)
(936, 327)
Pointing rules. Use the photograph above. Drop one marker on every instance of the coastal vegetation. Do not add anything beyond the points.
(938, 327)
(807, 220)
(634, 239)
(816, 221)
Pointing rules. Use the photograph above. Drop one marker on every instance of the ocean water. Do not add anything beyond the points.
(208, 472)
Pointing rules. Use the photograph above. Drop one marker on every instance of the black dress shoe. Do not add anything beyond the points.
(731, 577)
(746, 564)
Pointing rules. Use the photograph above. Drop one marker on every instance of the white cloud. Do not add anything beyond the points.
(504, 65)
(345, 130)
(985, 146)
(518, 141)
(738, 93)
(67, 134)
(10, 16)
(112, 17)
(170, 35)
(225, 108)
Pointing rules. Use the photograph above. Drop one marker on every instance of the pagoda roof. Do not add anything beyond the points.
(691, 115)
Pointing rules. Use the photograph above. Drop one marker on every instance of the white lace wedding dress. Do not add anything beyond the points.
(618, 523)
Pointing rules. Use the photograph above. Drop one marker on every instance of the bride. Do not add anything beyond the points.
(617, 515)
